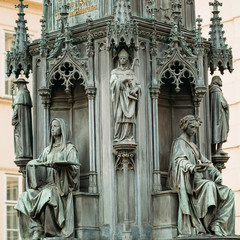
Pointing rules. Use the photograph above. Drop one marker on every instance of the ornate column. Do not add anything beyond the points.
(44, 93)
(91, 92)
(157, 186)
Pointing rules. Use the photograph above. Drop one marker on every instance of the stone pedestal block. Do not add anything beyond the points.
(165, 209)
(209, 237)
(86, 206)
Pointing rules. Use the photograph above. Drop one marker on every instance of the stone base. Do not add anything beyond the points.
(124, 146)
(165, 209)
(86, 209)
(207, 238)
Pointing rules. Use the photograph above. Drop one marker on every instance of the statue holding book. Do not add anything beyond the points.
(46, 207)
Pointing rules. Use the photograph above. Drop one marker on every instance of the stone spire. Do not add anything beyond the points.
(122, 28)
(220, 54)
(19, 59)
(21, 36)
(43, 43)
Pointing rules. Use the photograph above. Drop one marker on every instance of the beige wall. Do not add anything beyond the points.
(231, 88)
(8, 16)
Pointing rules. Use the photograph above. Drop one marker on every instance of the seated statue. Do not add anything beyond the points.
(205, 205)
(46, 207)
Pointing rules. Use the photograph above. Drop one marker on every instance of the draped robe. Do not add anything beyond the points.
(219, 115)
(47, 205)
(203, 204)
(124, 104)
(22, 121)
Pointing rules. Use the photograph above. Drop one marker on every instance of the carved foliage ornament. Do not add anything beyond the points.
(125, 158)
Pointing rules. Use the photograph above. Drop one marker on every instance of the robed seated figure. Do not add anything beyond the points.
(46, 207)
(205, 205)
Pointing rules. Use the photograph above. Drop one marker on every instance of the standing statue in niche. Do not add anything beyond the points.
(219, 116)
(205, 205)
(46, 208)
(125, 94)
(22, 121)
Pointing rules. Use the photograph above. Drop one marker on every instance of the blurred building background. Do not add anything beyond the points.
(11, 181)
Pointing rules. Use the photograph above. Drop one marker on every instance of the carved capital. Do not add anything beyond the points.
(22, 170)
(125, 158)
(219, 166)
(91, 92)
(21, 163)
(44, 93)
(125, 153)
(219, 161)
(155, 91)
(198, 95)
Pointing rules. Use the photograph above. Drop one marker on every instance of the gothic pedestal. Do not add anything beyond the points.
(125, 181)
(165, 209)
(219, 161)
(21, 163)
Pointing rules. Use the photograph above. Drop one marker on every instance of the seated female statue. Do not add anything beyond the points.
(205, 205)
(46, 207)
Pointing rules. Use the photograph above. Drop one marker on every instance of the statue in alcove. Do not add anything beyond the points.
(46, 207)
(125, 95)
(219, 116)
(22, 120)
(205, 205)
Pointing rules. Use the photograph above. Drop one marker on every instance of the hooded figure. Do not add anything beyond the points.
(125, 95)
(46, 208)
(22, 121)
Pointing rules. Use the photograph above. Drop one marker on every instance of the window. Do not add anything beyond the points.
(8, 85)
(13, 190)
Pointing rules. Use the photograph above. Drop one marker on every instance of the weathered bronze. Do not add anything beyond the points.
(219, 113)
(46, 208)
(83, 70)
(125, 95)
(205, 205)
(22, 121)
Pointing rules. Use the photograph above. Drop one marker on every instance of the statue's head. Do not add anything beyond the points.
(56, 128)
(123, 57)
(216, 80)
(59, 128)
(190, 124)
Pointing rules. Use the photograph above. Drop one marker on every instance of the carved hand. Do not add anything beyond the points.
(200, 168)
